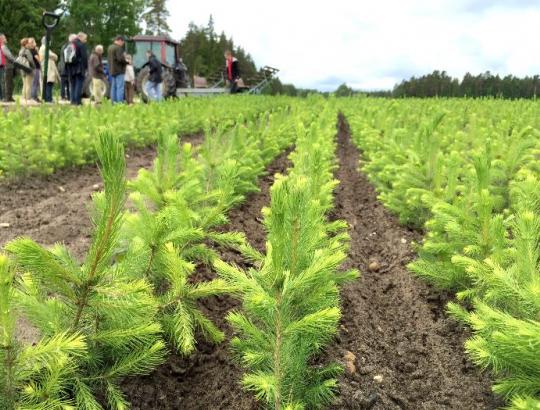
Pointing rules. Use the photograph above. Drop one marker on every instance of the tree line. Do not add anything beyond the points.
(440, 84)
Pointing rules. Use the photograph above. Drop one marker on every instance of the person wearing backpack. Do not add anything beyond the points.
(77, 63)
(28, 76)
(63, 69)
(117, 69)
(6, 71)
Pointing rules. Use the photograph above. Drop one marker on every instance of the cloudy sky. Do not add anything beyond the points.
(375, 44)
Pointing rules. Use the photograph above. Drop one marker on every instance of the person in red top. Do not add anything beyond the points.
(232, 71)
(6, 71)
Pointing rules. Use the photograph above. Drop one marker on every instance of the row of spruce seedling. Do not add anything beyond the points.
(290, 302)
(42, 140)
(121, 310)
(467, 172)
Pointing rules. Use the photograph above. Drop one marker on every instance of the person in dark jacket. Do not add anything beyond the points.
(7, 71)
(96, 72)
(153, 86)
(232, 71)
(117, 69)
(77, 68)
(63, 70)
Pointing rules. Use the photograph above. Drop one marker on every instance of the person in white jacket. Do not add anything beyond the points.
(53, 76)
(129, 80)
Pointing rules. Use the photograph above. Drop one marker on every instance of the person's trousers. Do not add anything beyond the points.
(49, 92)
(234, 86)
(28, 79)
(76, 87)
(2, 83)
(99, 89)
(36, 82)
(154, 91)
(130, 92)
(9, 72)
(64, 87)
(117, 88)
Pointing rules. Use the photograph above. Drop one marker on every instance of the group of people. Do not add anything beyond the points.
(70, 69)
(73, 65)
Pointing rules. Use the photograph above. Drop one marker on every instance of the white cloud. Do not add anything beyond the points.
(373, 45)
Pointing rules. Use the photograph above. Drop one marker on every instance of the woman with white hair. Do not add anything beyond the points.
(97, 74)
(52, 71)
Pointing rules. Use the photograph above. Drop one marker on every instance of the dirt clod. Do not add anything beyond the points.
(350, 360)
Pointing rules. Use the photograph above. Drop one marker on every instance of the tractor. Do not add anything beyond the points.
(167, 51)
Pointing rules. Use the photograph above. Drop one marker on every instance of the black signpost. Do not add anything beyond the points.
(50, 21)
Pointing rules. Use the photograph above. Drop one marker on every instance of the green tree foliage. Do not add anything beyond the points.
(440, 84)
(202, 50)
(98, 299)
(102, 20)
(343, 91)
(34, 376)
(155, 18)
(19, 19)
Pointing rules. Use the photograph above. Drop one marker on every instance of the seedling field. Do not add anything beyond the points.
(244, 253)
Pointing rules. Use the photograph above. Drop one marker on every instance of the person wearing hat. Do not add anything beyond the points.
(117, 69)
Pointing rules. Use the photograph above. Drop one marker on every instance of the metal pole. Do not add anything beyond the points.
(46, 64)
(55, 19)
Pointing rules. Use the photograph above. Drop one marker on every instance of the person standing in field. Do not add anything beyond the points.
(129, 80)
(28, 77)
(117, 69)
(7, 71)
(63, 69)
(232, 71)
(52, 71)
(97, 74)
(77, 61)
(153, 86)
(36, 80)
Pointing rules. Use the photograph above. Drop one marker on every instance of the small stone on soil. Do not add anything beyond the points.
(61, 189)
(95, 187)
(378, 378)
(403, 240)
(4, 225)
(374, 266)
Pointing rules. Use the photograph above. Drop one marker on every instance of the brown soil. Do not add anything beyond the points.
(393, 323)
(54, 208)
(210, 378)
